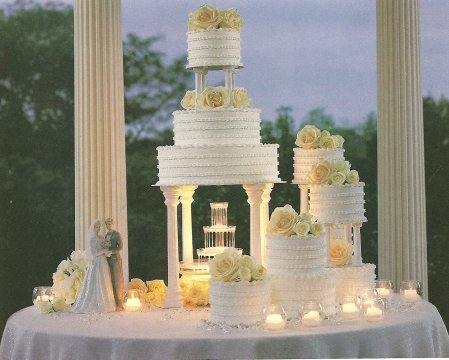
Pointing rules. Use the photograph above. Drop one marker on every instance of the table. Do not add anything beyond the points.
(168, 334)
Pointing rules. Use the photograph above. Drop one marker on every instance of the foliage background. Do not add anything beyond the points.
(37, 158)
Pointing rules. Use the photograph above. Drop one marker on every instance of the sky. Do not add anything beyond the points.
(303, 53)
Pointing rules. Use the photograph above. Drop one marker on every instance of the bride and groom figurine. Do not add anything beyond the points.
(103, 287)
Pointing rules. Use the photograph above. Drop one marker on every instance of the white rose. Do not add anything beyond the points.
(338, 178)
(245, 274)
(301, 228)
(231, 19)
(246, 261)
(65, 266)
(213, 97)
(189, 100)
(198, 294)
(225, 266)
(204, 18)
(79, 259)
(259, 272)
(352, 177)
(341, 252)
(158, 287)
(306, 217)
(59, 304)
(341, 166)
(320, 173)
(44, 307)
(137, 284)
(58, 276)
(240, 98)
(317, 228)
(340, 140)
(308, 137)
(73, 285)
(327, 141)
(283, 220)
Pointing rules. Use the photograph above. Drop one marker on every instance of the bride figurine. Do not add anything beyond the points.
(96, 294)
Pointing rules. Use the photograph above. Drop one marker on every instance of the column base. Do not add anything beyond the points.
(173, 299)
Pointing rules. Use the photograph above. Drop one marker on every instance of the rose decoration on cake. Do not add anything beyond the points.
(333, 172)
(340, 252)
(189, 100)
(207, 18)
(310, 137)
(240, 98)
(213, 98)
(283, 220)
(230, 266)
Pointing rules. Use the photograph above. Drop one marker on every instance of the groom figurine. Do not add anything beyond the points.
(115, 262)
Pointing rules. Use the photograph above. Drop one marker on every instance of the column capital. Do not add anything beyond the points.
(254, 193)
(171, 194)
(186, 193)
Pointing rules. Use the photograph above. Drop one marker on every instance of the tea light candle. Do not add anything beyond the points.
(373, 314)
(383, 292)
(311, 319)
(133, 304)
(410, 295)
(349, 311)
(274, 322)
(43, 298)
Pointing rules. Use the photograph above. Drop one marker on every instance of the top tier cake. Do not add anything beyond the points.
(217, 136)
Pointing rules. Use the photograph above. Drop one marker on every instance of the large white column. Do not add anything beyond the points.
(100, 166)
(187, 243)
(171, 194)
(401, 182)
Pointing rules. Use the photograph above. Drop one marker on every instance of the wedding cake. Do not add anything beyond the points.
(217, 136)
(296, 261)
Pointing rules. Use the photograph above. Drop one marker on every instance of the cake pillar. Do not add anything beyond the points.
(100, 166)
(200, 80)
(187, 244)
(264, 219)
(171, 194)
(402, 201)
(229, 78)
(357, 256)
(347, 233)
(304, 198)
(327, 245)
(254, 193)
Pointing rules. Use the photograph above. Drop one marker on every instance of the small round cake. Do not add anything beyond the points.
(236, 303)
(338, 203)
(304, 159)
(355, 280)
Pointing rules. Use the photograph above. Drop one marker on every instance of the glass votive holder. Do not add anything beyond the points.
(367, 298)
(350, 307)
(133, 300)
(411, 291)
(274, 317)
(42, 293)
(311, 314)
(384, 288)
(374, 312)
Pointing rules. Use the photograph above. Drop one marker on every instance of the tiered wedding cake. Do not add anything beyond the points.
(336, 200)
(217, 137)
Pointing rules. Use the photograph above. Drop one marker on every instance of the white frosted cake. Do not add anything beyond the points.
(237, 303)
(355, 280)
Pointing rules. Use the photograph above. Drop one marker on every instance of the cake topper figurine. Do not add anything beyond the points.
(96, 294)
(115, 244)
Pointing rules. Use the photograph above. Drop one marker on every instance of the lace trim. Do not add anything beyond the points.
(212, 156)
(221, 165)
(203, 147)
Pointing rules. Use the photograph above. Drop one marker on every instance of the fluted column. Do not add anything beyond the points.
(357, 256)
(254, 193)
(264, 219)
(304, 198)
(401, 181)
(100, 167)
(186, 201)
(171, 194)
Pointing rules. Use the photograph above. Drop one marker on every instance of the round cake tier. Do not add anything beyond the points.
(355, 280)
(338, 203)
(291, 254)
(304, 159)
(238, 302)
(295, 290)
(218, 164)
(214, 49)
(220, 126)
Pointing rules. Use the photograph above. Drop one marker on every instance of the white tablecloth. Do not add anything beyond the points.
(169, 334)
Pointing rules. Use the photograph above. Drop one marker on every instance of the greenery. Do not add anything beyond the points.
(37, 158)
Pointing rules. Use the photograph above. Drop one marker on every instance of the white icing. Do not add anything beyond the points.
(238, 302)
(220, 126)
(218, 164)
(304, 159)
(355, 280)
(338, 203)
(215, 48)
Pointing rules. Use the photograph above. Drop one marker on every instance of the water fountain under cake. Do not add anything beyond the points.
(219, 235)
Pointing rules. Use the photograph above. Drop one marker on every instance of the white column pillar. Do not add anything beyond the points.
(254, 193)
(187, 243)
(402, 202)
(200, 80)
(100, 166)
(357, 256)
(347, 232)
(327, 245)
(304, 198)
(264, 219)
(171, 194)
